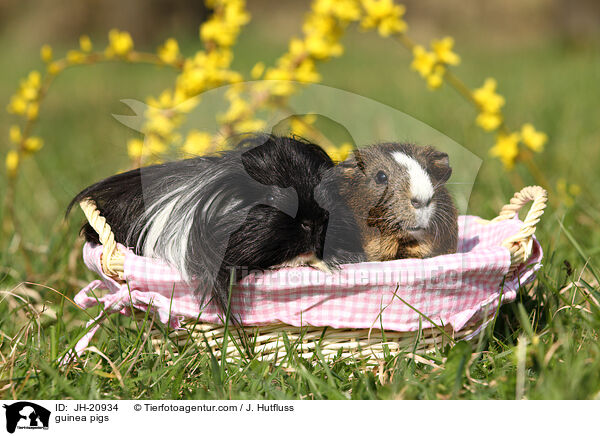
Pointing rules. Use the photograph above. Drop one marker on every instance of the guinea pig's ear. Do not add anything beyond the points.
(347, 168)
(354, 161)
(438, 165)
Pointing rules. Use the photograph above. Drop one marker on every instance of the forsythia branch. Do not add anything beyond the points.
(322, 31)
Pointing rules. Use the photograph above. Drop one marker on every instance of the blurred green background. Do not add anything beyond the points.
(544, 54)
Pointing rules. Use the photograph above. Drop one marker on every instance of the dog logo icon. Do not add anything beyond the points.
(26, 415)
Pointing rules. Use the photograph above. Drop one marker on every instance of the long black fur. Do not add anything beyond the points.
(259, 205)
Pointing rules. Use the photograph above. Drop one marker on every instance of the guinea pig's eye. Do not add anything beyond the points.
(270, 199)
(381, 178)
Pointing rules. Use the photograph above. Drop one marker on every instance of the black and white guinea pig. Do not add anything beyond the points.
(271, 201)
(400, 202)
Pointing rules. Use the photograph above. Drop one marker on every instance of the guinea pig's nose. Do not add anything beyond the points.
(418, 204)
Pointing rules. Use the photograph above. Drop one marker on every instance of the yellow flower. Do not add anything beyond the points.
(54, 68)
(344, 10)
(46, 53)
(443, 50)
(385, 15)
(423, 61)
(85, 44)
(135, 148)
(193, 80)
(12, 162)
(235, 91)
(506, 149)
(302, 125)
(158, 121)
(155, 144)
(33, 144)
(197, 143)
(426, 64)
(489, 103)
(321, 41)
(250, 125)
(29, 92)
(306, 72)
(282, 86)
(17, 105)
(164, 101)
(231, 77)
(235, 14)
(223, 27)
(391, 25)
(340, 153)
(238, 109)
(183, 103)
(299, 126)
(14, 134)
(34, 79)
(322, 47)
(169, 51)
(436, 78)
(217, 31)
(532, 138)
(257, 70)
(489, 121)
(30, 86)
(296, 48)
(119, 43)
(322, 25)
(487, 98)
(33, 110)
(309, 118)
(205, 71)
(219, 58)
(75, 57)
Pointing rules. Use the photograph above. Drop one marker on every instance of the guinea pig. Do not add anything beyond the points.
(400, 202)
(257, 206)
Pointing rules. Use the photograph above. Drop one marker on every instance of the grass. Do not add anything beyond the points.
(543, 346)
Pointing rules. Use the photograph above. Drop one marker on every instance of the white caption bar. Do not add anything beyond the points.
(89, 418)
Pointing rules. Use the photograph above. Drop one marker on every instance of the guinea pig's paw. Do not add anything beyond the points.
(309, 260)
(299, 260)
(321, 265)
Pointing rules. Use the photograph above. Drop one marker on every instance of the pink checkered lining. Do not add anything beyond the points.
(450, 290)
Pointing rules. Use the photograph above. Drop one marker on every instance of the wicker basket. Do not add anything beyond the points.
(370, 344)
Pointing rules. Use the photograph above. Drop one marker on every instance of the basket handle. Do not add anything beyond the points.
(520, 245)
(112, 259)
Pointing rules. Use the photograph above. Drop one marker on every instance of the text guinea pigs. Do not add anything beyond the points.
(400, 202)
(270, 201)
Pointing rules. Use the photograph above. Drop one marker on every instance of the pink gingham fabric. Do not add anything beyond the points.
(450, 290)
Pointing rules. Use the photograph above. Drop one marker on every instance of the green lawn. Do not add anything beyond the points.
(552, 85)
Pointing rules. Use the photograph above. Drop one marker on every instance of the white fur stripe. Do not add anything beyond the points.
(420, 183)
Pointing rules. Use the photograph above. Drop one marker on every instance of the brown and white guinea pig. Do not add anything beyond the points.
(400, 202)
